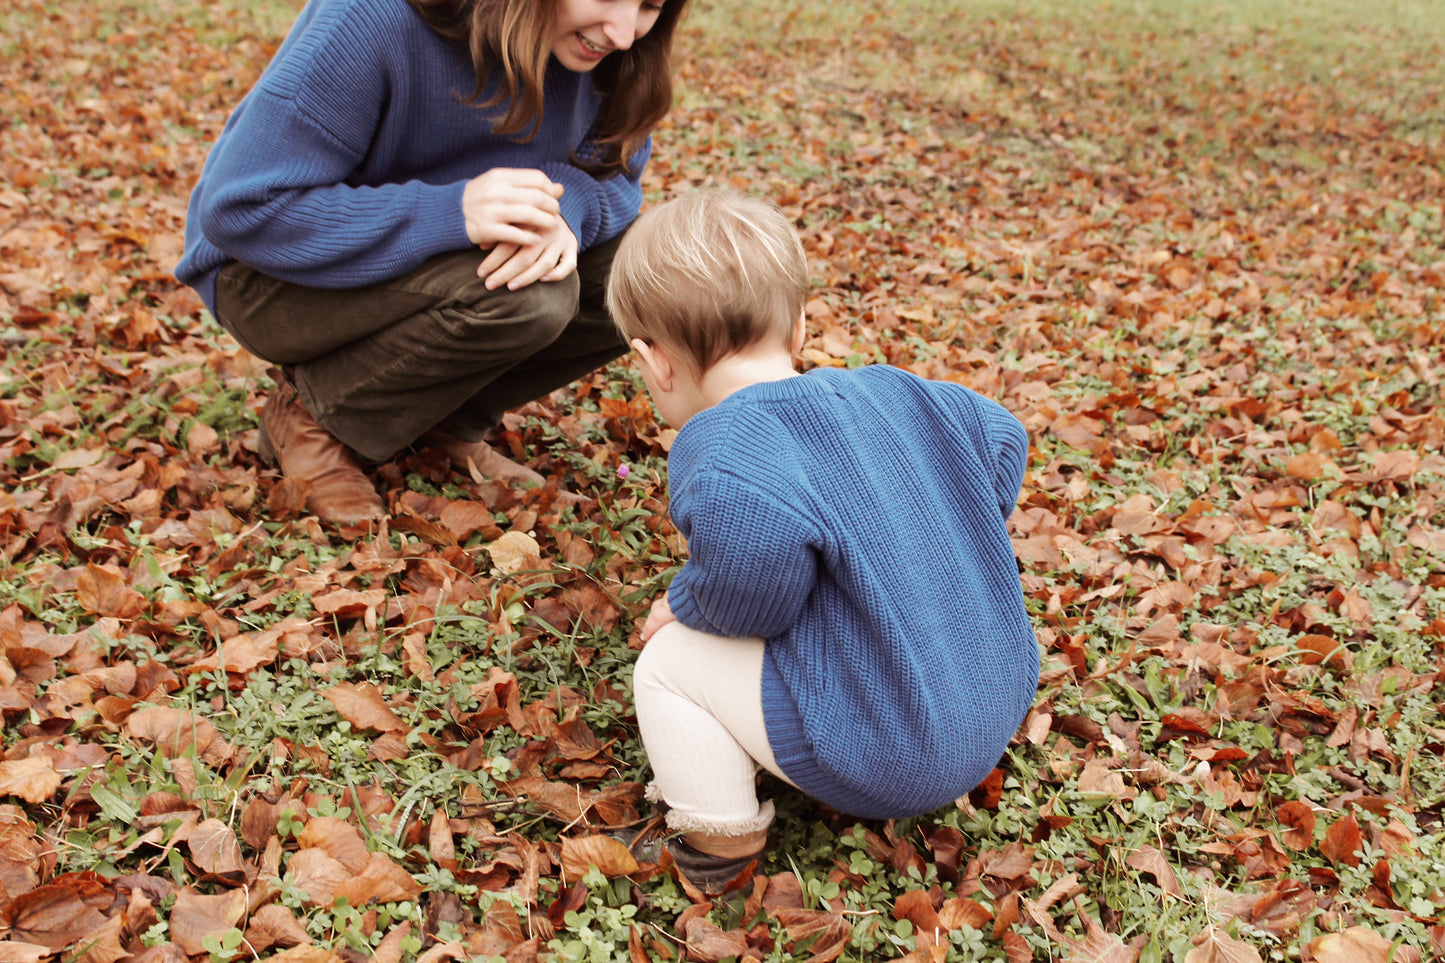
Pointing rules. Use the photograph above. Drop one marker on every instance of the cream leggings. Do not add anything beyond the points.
(699, 705)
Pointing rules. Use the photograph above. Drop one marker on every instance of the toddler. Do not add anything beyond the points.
(850, 615)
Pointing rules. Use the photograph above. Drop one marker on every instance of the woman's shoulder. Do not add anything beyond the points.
(355, 24)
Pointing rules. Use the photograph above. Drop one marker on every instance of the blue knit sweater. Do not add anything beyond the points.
(345, 165)
(856, 520)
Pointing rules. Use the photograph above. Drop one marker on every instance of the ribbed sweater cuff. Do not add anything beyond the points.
(580, 207)
(685, 608)
(442, 206)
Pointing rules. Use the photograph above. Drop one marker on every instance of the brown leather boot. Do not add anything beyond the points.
(340, 492)
(486, 459)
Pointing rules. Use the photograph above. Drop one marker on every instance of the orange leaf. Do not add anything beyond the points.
(1149, 860)
(1301, 818)
(53, 916)
(917, 907)
(364, 707)
(958, 912)
(176, 733)
(382, 881)
(609, 855)
(214, 849)
(1357, 944)
(104, 590)
(1343, 841)
(33, 779)
(1315, 649)
(195, 917)
(338, 839)
(1219, 947)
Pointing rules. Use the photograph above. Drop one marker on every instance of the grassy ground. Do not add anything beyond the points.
(1198, 248)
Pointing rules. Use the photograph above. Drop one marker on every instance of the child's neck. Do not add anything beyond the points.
(738, 371)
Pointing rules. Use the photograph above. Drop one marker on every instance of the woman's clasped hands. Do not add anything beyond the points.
(515, 213)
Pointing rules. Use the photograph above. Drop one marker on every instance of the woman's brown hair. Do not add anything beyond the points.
(514, 37)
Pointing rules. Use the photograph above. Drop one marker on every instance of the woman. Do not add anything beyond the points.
(413, 213)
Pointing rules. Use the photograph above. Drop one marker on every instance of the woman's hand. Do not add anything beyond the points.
(659, 615)
(510, 205)
(551, 257)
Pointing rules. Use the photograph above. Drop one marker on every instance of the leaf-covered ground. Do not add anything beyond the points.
(1199, 253)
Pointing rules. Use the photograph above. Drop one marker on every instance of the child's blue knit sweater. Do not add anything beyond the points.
(856, 520)
(345, 165)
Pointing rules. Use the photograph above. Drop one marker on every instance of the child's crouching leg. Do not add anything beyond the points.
(699, 706)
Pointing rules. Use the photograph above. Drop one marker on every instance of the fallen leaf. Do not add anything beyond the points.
(33, 779)
(515, 552)
(610, 856)
(364, 707)
(53, 916)
(1149, 860)
(195, 916)
(176, 733)
(1358, 944)
(215, 851)
(1343, 842)
(1217, 946)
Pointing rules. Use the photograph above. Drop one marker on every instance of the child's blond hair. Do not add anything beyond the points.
(709, 274)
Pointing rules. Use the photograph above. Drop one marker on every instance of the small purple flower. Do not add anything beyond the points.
(623, 471)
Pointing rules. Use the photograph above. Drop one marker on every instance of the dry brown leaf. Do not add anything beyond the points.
(194, 917)
(104, 945)
(439, 838)
(917, 907)
(364, 707)
(1301, 820)
(390, 949)
(317, 875)
(829, 931)
(338, 839)
(1217, 946)
(275, 925)
(1149, 860)
(105, 590)
(32, 779)
(1100, 946)
(55, 916)
(176, 733)
(309, 953)
(609, 855)
(215, 851)
(708, 943)
(1343, 842)
(515, 552)
(1358, 944)
(18, 951)
(381, 881)
(958, 912)
(241, 654)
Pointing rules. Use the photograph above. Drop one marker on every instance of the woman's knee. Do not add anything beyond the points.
(539, 312)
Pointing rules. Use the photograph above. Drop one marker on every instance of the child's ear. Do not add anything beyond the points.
(800, 333)
(657, 361)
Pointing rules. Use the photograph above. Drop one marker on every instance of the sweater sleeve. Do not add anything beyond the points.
(1013, 454)
(280, 191)
(290, 213)
(597, 209)
(752, 564)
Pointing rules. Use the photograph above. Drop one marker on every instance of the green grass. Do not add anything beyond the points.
(982, 188)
